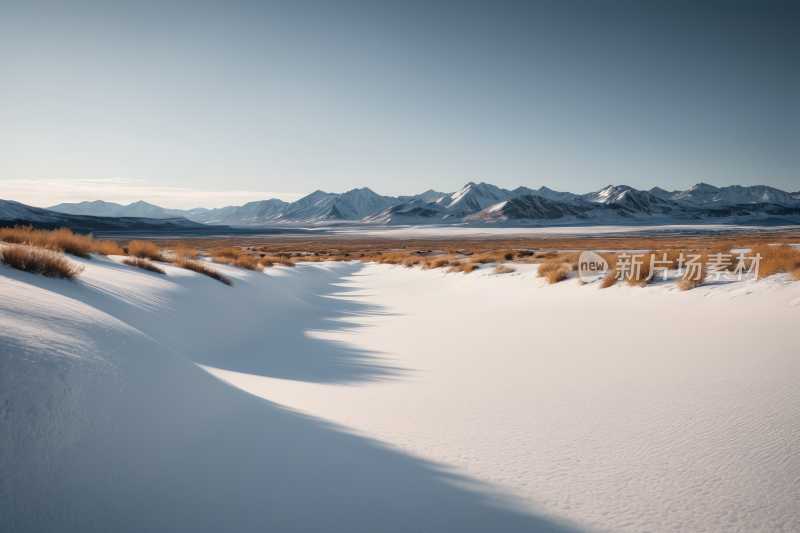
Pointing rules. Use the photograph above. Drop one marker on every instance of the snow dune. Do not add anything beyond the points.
(390, 399)
(105, 425)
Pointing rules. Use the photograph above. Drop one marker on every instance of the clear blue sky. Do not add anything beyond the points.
(201, 103)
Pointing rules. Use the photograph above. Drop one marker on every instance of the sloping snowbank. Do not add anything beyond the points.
(624, 409)
(105, 426)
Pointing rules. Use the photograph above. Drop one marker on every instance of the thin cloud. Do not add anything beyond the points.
(47, 192)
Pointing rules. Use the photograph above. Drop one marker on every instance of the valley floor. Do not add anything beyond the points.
(362, 397)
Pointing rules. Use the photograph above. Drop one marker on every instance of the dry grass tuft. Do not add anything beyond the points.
(184, 251)
(238, 258)
(494, 256)
(462, 266)
(437, 261)
(412, 260)
(554, 276)
(226, 255)
(202, 268)
(644, 274)
(555, 264)
(107, 247)
(144, 250)
(692, 279)
(610, 279)
(71, 243)
(777, 258)
(503, 269)
(39, 261)
(144, 264)
(272, 260)
(59, 240)
(795, 274)
(248, 262)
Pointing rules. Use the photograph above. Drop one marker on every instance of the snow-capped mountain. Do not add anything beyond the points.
(351, 205)
(633, 200)
(481, 202)
(663, 194)
(550, 194)
(706, 195)
(99, 208)
(16, 213)
(428, 196)
(249, 212)
(527, 207)
(471, 199)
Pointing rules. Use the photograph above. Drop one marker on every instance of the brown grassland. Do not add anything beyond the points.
(463, 255)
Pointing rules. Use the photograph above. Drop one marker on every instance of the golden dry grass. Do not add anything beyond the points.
(229, 253)
(557, 264)
(412, 260)
(462, 266)
(202, 267)
(554, 276)
(184, 251)
(437, 261)
(274, 245)
(795, 274)
(144, 264)
(39, 261)
(248, 262)
(107, 247)
(775, 259)
(61, 240)
(692, 278)
(641, 274)
(610, 279)
(503, 269)
(238, 258)
(493, 256)
(269, 261)
(144, 250)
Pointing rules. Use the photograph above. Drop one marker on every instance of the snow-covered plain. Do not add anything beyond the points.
(391, 399)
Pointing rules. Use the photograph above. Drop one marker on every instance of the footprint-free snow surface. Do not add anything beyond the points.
(345, 397)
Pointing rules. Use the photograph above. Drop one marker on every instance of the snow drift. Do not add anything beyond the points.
(391, 399)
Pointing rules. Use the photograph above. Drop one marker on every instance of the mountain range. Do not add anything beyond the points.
(12, 213)
(474, 203)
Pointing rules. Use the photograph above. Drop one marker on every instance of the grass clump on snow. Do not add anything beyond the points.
(462, 266)
(555, 270)
(202, 268)
(272, 260)
(184, 251)
(236, 257)
(144, 250)
(107, 247)
(36, 260)
(776, 258)
(144, 264)
(503, 269)
(59, 240)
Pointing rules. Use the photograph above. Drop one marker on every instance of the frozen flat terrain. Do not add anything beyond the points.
(391, 399)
